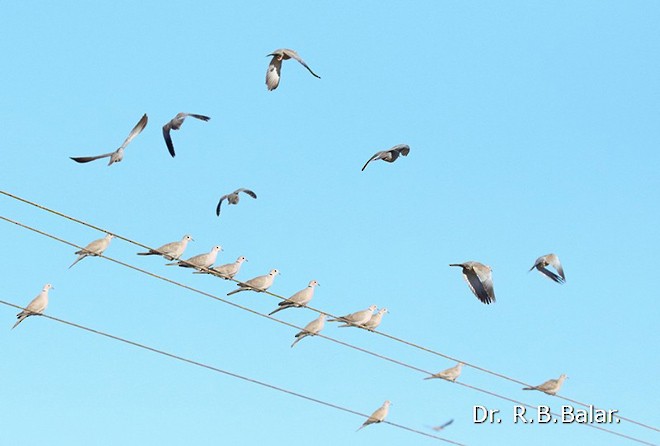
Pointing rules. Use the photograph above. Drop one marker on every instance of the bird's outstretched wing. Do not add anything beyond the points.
(247, 191)
(217, 209)
(142, 123)
(377, 156)
(294, 55)
(87, 159)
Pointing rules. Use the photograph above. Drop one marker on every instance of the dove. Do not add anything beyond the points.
(171, 251)
(451, 374)
(551, 260)
(378, 416)
(551, 387)
(299, 299)
(95, 248)
(200, 260)
(275, 66)
(358, 318)
(175, 124)
(479, 278)
(375, 319)
(311, 329)
(36, 307)
(389, 155)
(442, 426)
(233, 198)
(227, 271)
(118, 154)
(258, 284)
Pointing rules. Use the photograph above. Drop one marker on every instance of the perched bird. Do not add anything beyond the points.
(118, 154)
(200, 260)
(227, 271)
(359, 318)
(275, 66)
(175, 124)
(311, 329)
(378, 416)
(233, 198)
(36, 307)
(551, 387)
(479, 278)
(95, 248)
(299, 299)
(258, 284)
(451, 374)
(171, 251)
(389, 155)
(442, 426)
(551, 260)
(375, 319)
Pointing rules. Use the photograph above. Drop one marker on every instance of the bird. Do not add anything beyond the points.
(258, 284)
(299, 299)
(175, 124)
(442, 426)
(275, 66)
(36, 307)
(375, 319)
(171, 251)
(551, 386)
(227, 271)
(450, 374)
(550, 260)
(233, 198)
(389, 155)
(479, 278)
(358, 318)
(311, 329)
(95, 248)
(378, 415)
(200, 260)
(118, 154)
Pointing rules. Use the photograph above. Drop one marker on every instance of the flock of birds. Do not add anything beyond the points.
(477, 275)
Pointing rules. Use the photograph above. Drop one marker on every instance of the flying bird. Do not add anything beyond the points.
(258, 284)
(359, 318)
(233, 198)
(275, 66)
(551, 386)
(450, 374)
(378, 416)
(36, 307)
(175, 124)
(550, 260)
(118, 154)
(200, 260)
(389, 155)
(299, 299)
(311, 329)
(171, 251)
(442, 426)
(227, 271)
(479, 278)
(95, 248)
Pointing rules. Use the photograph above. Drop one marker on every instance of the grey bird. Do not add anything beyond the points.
(175, 124)
(359, 318)
(171, 251)
(275, 66)
(258, 284)
(311, 329)
(550, 260)
(479, 278)
(118, 154)
(375, 319)
(226, 271)
(450, 374)
(36, 307)
(378, 416)
(551, 386)
(201, 260)
(390, 155)
(233, 198)
(441, 426)
(299, 299)
(95, 248)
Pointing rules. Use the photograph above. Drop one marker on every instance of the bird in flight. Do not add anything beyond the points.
(479, 278)
(275, 66)
(389, 155)
(175, 124)
(550, 260)
(233, 198)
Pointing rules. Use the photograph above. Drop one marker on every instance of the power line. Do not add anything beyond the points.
(228, 373)
(299, 328)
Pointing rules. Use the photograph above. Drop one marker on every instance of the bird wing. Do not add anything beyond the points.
(549, 274)
(403, 149)
(486, 278)
(273, 73)
(247, 191)
(217, 209)
(202, 117)
(142, 123)
(478, 288)
(554, 261)
(87, 159)
(168, 138)
(294, 55)
(376, 156)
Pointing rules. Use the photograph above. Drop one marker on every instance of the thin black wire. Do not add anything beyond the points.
(294, 326)
(225, 372)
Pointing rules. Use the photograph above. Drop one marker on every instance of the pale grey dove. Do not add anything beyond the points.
(175, 124)
(258, 284)
(359, 318)
(226, 271)
(550, 260)
(375, 319)
(36, 307)
(311, 329)
(479, 278)
(95, 248)
(171, 251)
(551, 387)
(378, 416)
(200, 260)
(275, 66)
(233, 198)
(390, 155)
(450, 374)
(299, 299)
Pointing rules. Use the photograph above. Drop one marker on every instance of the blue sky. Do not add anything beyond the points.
(533, 128)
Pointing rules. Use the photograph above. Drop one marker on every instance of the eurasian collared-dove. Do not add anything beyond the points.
(258, 284)
(200, 260)
(359, 318)
(479, 278)
(299, 299)
(95, 248)
(233, 198)
(118, 154)
(450, 374)
(378, 416)
(226, 271)
(171, 251)
(275, 66)
(175, 124)
(551, 387)
(550, 260)
(36, 307)
(375, 319)
(441, 426)
(389, 155)
(311, 329)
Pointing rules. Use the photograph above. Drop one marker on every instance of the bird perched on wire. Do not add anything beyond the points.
(311, 329)
(299, 299)
(226, 271)
(550, 260)
(259, 284)
(200, 261)
(175, 124)
(551, 386)
(450, 374)
(118, 154)
(171, 251)
(390, 155)
(479, 278)
(378, 416)
(95, 248)
(357, 319)
(36, 307)
(275, 66)
(233, 198)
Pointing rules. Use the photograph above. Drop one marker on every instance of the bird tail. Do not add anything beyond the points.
(236, 291)
(298, 339)
(455, 264)
(80, 257)
(528, 388)
(172, 264)
(276, 310)
(431, 377)
(150, 253)
(21, 318)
